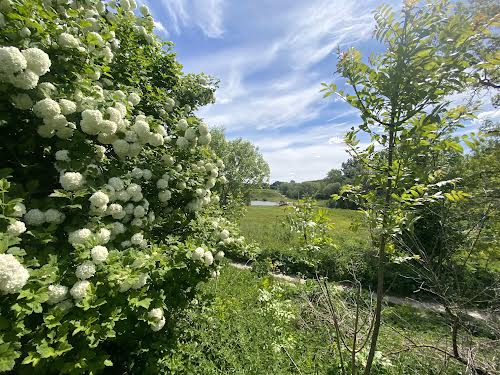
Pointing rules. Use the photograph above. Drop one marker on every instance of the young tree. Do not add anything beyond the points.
(401, 94)
(245, 166)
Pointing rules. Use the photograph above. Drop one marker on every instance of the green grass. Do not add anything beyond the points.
(349, 251)
(238, 333)
(263, 225)
(268, 195)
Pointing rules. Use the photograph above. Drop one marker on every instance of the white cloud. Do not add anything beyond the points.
(204, 14)
(305, 163)
(493, 115)
(318, 27)
(160, 27)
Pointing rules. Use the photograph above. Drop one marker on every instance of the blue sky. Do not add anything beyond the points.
(271, 57)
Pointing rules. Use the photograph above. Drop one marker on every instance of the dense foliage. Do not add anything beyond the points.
(402, 94)
(245, 167)
(107, 219)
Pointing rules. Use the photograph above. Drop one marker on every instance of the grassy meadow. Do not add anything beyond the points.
(263, 326)
(348, 252)
(263, 224)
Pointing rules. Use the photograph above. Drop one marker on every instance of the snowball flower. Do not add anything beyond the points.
(53, 216)
(103, 235)
(224, 234)
(139, 211)
(156, 314)
(46, 108)
(26, 80)
(182, 124)
(57, 293)
(136, 239)
(164, 196)
(143, 279)
(121, 147)
(99, 199)
(162, 184)
(116, 211)
(190, 134)
(198, 254)
(95, 39)
(62, 155)
(22, 101)
(146, 174)
(118, 228)
(16, 228)
(107, 127)
(11, 60)
(37, 61)
(71, 181)
(136, 172)
(67, 106)
(182, 142)
(25, 32)
(13, 276)
(66, 40)
(134, 99)
(144, 10)
(208, 258)
(79, 289)
(133, 189)
(85, 270)
(158, 325)
(99, 254)
(34, 217)
(219, 255)
(116, 183)
(19, 210)
(90, 121)
(79, 236)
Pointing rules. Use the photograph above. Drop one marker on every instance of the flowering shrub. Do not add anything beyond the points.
(106, 192)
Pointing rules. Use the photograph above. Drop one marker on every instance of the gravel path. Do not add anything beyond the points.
(393, 300)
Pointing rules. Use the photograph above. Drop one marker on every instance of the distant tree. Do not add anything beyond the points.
(276, 185)
(245, 167)
(334, 175)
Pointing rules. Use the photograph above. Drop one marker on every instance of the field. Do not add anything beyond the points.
(348, 252)
(263, 225)
(261, 326)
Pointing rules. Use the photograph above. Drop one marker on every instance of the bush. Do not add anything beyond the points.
(106, 193)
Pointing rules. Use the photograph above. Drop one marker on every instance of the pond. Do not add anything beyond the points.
(263, 203)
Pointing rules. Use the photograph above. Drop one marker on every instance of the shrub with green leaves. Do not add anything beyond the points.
(105, 191)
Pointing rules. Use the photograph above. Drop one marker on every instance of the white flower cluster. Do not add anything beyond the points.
(192, 135)
(19, 210)
(79, 289)
(16, 228)
(37, 217)
(54, 120)
(204, 256)
(99, 254)
(57, 293)
(13, 276)
(117, 198)
(158, 319)
(133, 138)
(71, 181)
(23, 68)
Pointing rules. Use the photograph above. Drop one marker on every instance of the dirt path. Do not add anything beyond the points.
(392, 300)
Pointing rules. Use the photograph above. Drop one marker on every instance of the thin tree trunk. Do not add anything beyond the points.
(381, 256)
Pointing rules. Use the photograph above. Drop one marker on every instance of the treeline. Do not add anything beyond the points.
(323, 189)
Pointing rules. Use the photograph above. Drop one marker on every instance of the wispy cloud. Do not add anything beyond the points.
(204, 14)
